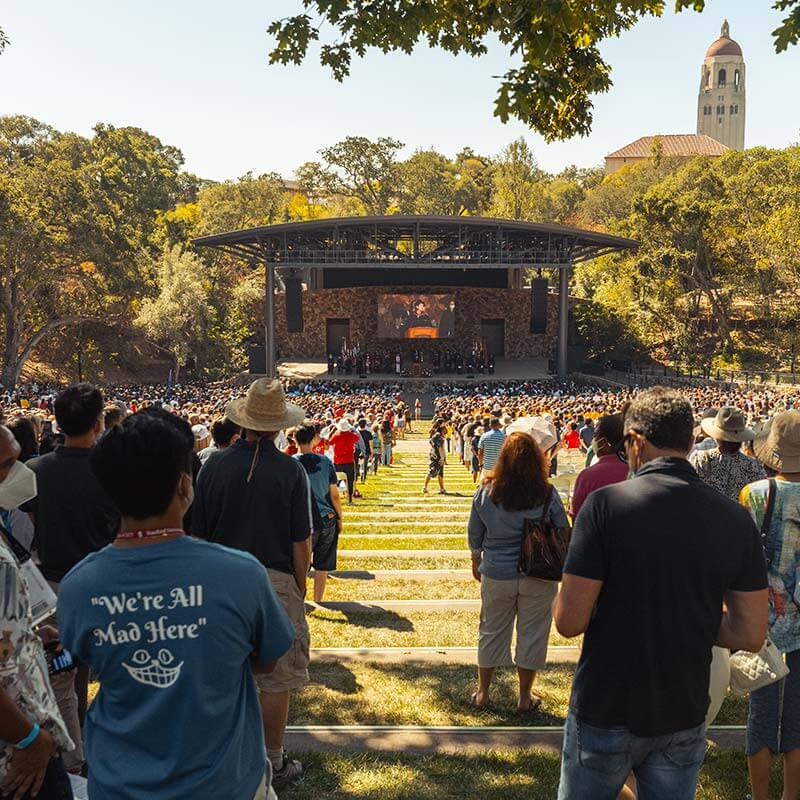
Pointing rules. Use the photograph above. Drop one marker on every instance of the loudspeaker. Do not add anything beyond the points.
(257, 356)
(539, 305)
(294, 305)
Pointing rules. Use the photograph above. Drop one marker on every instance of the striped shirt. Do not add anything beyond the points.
(491, 443)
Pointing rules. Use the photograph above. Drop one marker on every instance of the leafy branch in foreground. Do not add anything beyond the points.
(555, 46)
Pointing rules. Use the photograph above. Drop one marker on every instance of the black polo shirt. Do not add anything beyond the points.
(73, 514)
(667, 547)
(263, 517)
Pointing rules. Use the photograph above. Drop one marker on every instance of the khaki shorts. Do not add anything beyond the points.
(529, 601)
(291, 671)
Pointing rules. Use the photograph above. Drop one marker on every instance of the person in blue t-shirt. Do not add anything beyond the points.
(325, 488)
(174, 628)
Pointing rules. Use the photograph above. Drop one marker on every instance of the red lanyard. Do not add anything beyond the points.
(149, 534)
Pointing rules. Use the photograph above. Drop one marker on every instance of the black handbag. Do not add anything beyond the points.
(544, 548)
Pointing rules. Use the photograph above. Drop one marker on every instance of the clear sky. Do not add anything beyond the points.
(195, 73)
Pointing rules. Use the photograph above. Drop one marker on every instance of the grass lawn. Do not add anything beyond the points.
(396, 541)
(393, 629)
(363, 693)
(493, 775)
(402, 562)
(399, 589)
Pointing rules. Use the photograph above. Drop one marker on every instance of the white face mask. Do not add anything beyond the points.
(18, 487)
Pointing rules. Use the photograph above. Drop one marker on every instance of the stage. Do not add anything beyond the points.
(505, 369)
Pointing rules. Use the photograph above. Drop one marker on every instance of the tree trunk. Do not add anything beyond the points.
(11, 361)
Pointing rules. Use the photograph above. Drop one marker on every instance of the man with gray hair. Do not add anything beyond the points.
(651, 562)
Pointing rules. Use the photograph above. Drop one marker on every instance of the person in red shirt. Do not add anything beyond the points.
(344, 443)
(608, 469)
(572, 439)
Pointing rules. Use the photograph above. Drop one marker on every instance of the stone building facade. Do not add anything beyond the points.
(721, 102)
(477, 309)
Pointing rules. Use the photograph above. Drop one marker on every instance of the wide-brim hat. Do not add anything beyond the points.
(543, 432)
(727, 426)
(344, 426)
(777, 442)
(264, 408)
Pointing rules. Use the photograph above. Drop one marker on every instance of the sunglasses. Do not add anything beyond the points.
(622, 453)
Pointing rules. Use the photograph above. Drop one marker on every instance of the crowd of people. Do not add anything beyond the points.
(161, 538)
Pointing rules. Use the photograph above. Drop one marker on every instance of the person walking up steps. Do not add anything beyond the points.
(438, 458)
(325, 488)
(489, 446)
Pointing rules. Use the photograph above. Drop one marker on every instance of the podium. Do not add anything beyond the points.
(422, 332)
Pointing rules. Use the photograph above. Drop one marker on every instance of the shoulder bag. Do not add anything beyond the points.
(544, 547)
(752, 671)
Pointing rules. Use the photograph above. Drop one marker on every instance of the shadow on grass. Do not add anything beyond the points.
(423, 694)
(336, 676)
(389, 620)
(353, 575)
(524, 774)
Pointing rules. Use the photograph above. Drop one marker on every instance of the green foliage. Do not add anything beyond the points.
(719, 267)
(554, 47)
(176, 318)
(361, 169)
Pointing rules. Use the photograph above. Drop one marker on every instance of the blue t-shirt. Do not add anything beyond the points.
(169, 629)
(491, 443)
(321, 475)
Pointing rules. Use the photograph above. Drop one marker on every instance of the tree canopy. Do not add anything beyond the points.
(554, 48)
(95, 235)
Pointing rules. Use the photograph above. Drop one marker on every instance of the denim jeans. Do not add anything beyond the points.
(596, 762)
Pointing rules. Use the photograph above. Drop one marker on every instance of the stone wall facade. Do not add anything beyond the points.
(360, 306)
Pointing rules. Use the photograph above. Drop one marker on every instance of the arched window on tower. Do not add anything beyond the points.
(737, 79)
(723, 78)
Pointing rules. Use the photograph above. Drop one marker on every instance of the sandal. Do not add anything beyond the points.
(533, 708)
(473, 702)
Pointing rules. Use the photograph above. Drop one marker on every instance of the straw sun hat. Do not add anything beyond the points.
(727, 426)
(264, 408)
(777, 443)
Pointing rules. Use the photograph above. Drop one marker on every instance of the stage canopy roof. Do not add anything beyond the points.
(417, 242)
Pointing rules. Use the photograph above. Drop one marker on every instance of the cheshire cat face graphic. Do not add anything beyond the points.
(156, 671)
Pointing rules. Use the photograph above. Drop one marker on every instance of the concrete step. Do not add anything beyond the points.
(451, 739)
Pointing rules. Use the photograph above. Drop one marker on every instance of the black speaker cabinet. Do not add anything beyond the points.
(539, 305)
(294, 305)
(257, 357)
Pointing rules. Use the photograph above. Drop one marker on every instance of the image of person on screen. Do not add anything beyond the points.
(447, 322)
(419, 316)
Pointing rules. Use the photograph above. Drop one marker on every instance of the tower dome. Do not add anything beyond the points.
(722, 98)
(724, 46)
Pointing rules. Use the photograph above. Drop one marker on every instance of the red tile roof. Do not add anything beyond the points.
(673, 144)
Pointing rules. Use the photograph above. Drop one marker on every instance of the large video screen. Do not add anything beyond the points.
(416, 316)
